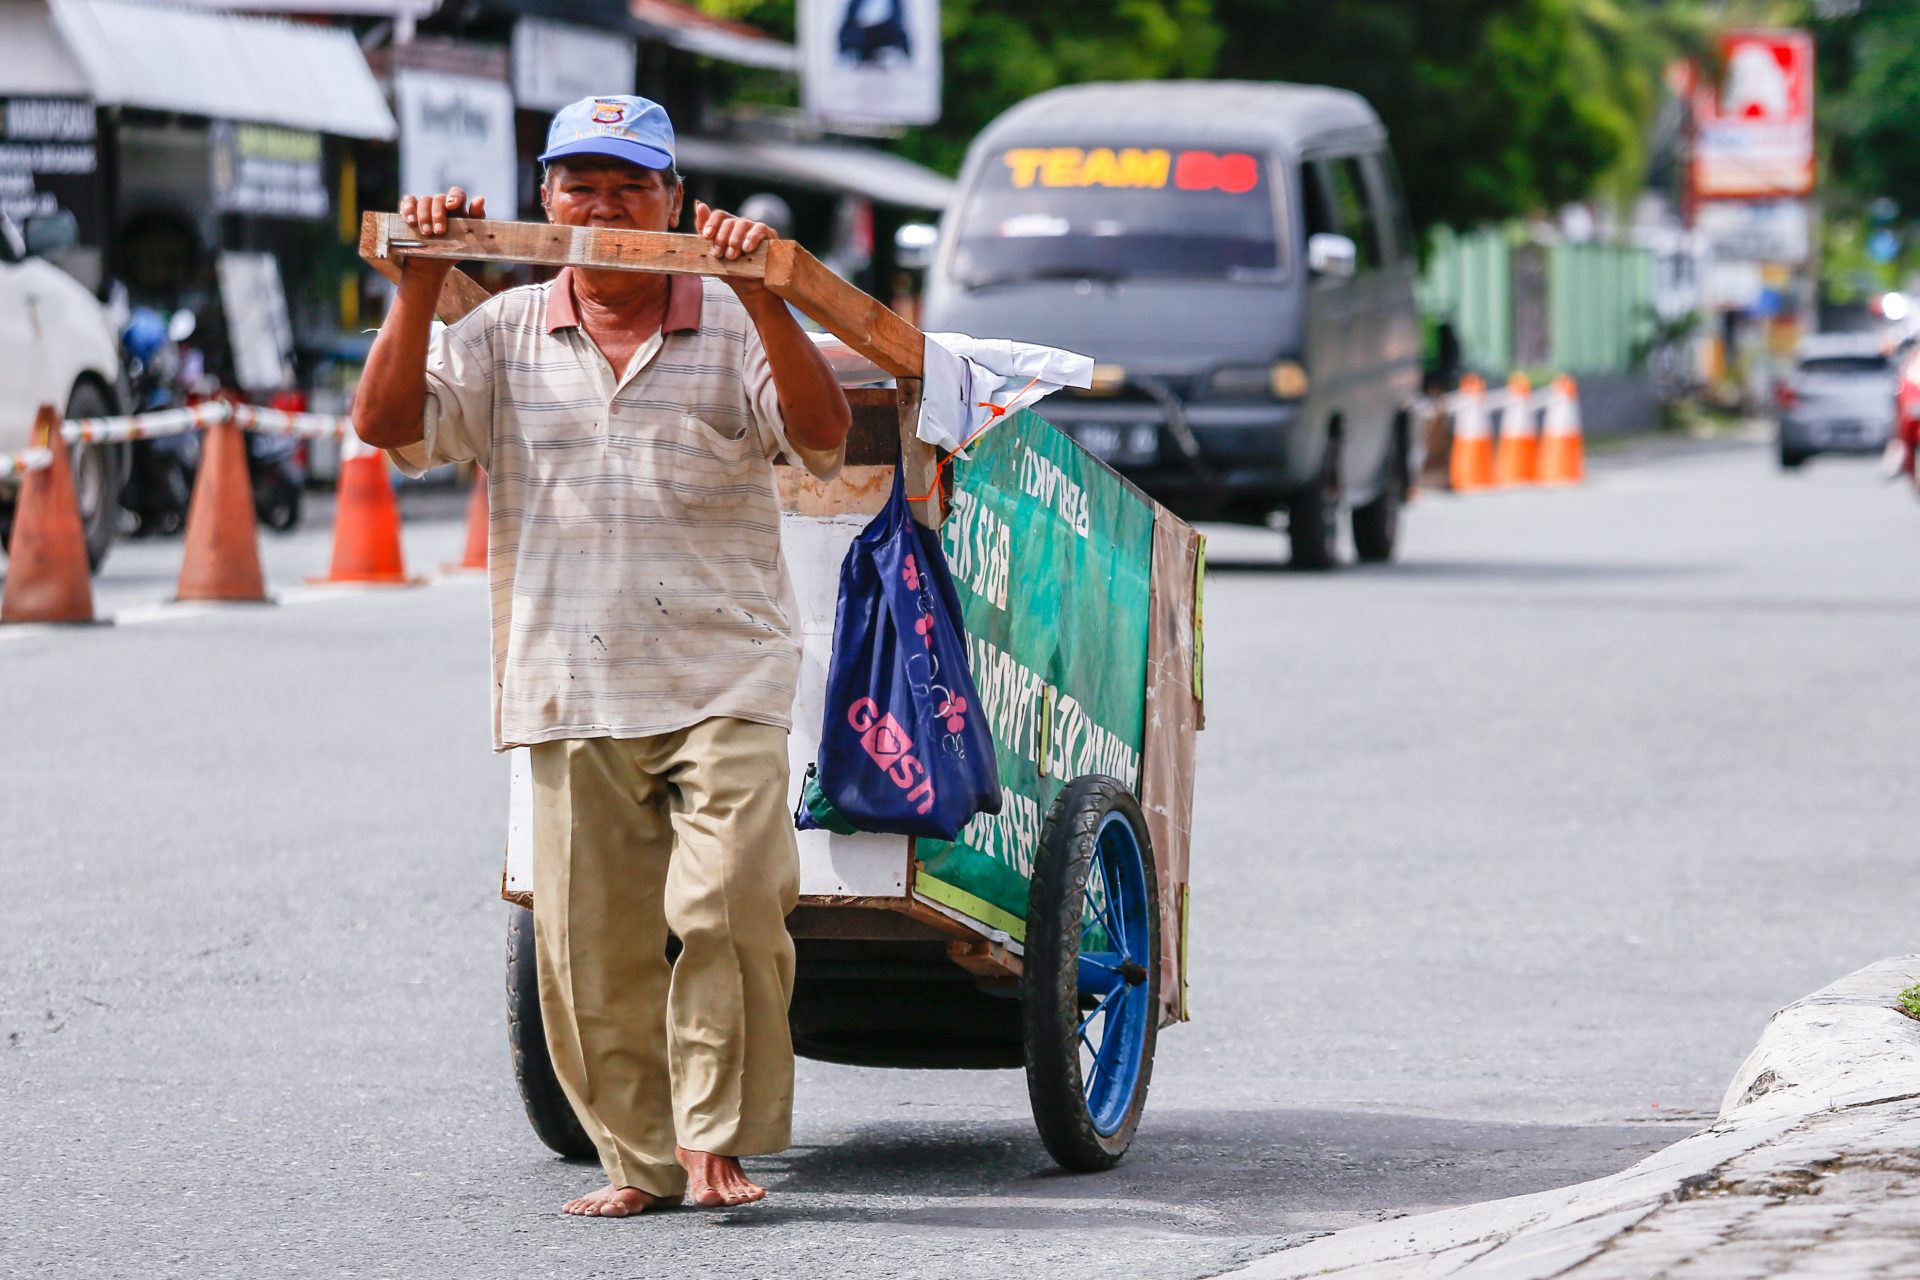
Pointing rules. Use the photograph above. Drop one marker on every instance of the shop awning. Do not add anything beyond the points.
(221, 65)
(359, 8)
(688, 28)
(819, 166)
(36, 62)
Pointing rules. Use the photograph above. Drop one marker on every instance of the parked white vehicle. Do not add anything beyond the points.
(57, 347)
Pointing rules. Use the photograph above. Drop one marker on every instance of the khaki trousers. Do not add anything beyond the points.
(687, 832)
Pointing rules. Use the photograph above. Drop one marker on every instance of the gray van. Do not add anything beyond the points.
(1237, 259)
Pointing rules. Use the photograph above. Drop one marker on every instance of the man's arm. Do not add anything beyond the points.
(811, 401)
(389, 409)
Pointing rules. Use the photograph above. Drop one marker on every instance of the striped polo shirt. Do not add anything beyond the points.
(633, 543)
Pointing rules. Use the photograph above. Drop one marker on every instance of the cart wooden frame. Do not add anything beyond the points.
(900, 963)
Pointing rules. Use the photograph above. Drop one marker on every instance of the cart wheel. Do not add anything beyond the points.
(1092, 988)
(547, 1107)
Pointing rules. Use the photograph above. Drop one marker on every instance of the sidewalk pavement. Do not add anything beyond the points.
(1812, 1169)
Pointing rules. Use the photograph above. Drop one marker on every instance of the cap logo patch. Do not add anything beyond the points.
(605, 112)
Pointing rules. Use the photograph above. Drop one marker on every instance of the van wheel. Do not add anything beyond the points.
(1376, 526)
(1313, 517)
(95, 476)
(96, 481)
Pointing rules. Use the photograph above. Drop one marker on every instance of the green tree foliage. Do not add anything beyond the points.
(1497, 108)
(1869, 107)
(1001, 51)
(997, 52)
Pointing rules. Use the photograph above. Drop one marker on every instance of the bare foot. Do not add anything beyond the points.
(618, 1202)
(717, 1182)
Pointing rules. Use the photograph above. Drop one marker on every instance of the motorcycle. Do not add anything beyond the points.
(160, 479)
(164, 374)
(277, 466)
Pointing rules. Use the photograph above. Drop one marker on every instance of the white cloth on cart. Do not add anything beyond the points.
(972, 383)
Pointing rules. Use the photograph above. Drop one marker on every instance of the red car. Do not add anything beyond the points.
(1905, 444)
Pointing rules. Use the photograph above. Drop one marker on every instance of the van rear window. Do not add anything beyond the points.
(1117, 212)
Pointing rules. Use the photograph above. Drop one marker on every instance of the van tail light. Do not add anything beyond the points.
(1785, 396)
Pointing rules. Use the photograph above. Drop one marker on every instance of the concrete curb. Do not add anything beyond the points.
(1842, 1047)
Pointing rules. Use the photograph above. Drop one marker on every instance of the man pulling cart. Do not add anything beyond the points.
(664, 451)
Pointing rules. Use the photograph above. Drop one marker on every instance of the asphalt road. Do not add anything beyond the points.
(1503, 856)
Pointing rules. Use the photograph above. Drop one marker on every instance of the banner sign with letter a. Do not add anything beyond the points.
(1753, 131)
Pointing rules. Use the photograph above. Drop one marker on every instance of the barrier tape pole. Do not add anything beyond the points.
(24, 461)
(279, 422)
(146, 426)
(173, 422)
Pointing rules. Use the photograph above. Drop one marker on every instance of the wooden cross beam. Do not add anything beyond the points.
(787, 269)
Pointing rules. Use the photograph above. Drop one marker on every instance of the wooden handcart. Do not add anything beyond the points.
(1051, 936)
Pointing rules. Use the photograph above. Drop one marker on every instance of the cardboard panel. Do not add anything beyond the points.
(1173, 717)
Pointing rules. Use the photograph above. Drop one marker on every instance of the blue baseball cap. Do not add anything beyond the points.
(622, 126)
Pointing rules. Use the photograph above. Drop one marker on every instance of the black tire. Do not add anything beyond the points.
(277, 502)
(1313, 517)
(548, 1110)
(1376, 525)
(1051, 1003)
(97, 475)
(1792, 459)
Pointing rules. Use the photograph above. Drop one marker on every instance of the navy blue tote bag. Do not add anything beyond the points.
(903, 747)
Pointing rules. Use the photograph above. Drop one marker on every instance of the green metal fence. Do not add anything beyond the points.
(1600, 300)
(1597, 308)
(1469, 282)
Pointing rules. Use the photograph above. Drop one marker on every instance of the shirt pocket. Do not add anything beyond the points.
(730, 449)
(690, 462)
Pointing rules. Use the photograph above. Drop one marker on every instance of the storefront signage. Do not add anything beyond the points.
(264, 170)
(457, 131)
(49, 161)
(1753, 131)
(870, 61)
(1756, 230)
(555, 63)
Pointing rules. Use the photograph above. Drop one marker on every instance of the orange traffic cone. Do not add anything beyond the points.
(1562, 450)
(366, 522)
(223, 542)
(1517, 460)
(476, 553)
(1472, 462)
(48, 579)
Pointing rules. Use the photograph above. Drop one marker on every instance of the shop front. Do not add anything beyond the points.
(204, 156)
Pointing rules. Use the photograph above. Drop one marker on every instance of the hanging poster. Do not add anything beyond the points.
(457, 131)
(268, 171)
(870, 61)
(555, 63)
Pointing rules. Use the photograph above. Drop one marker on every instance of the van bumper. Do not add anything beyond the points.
(1253, 457)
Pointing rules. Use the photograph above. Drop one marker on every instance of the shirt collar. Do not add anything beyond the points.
(684, 294)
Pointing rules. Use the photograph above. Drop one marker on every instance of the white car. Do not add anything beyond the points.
(57, 347)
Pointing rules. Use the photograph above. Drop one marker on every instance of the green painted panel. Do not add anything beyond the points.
(1052, 556)
(1601, 296)
(1468, 281)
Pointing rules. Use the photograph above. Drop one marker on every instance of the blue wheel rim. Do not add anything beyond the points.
(1115, 951)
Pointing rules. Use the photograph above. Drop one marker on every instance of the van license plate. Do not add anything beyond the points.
(1111, 443)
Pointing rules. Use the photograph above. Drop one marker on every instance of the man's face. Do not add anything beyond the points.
(599, 191)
